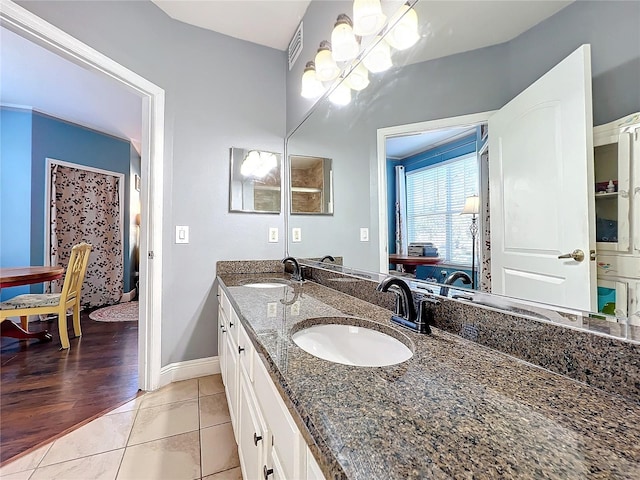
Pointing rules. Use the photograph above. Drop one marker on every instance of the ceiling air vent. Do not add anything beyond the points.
(295, 46)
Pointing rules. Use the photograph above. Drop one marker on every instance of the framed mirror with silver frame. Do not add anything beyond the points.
(255, 181)
(311, 185)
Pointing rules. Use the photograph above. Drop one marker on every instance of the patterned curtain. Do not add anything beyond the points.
(485, 234)
(85, 206)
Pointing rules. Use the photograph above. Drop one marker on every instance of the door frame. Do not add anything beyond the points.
(401, 131)
(35, 29)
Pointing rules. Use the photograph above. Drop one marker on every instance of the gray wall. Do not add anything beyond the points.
(470, 82)
(214, 100)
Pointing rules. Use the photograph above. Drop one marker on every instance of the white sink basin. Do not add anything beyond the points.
(351, 345)
(265, 285)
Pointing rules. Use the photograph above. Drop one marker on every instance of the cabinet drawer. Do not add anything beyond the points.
(287, 441)
(246, 352)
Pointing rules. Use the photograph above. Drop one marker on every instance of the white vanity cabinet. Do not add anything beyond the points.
(270, 445)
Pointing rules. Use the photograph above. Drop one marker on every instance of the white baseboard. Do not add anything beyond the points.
(200, 367)
(127, 297)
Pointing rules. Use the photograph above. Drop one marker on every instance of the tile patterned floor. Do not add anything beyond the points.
(180, 432)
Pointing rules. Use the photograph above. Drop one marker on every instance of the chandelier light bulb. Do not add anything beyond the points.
(311, 86)
(367, 17)
(404, 31)
(326, 68)
(358, 78)
(344, 45)
(341, 95)
(379, 57)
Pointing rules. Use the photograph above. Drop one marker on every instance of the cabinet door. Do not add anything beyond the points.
(231, 385)
(252, 432)
(313, 469)
(612, 157)
(222, 336)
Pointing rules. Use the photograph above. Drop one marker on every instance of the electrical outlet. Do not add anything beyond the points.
(295, 308)
(273, 235)
(272, 309)
(296, 234)
(364, 234)
(182, 234)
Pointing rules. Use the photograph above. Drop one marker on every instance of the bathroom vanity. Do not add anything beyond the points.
(455, 409)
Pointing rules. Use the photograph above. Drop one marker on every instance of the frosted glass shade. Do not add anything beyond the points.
(379, 57)
(367, 17)
(311, 86)
(358, 79)
(471, 206)
(404, 33)
(326, 68)
(344, 45)
(341, 95)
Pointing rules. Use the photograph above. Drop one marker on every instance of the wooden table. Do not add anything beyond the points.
(15, 276)
(410, 263)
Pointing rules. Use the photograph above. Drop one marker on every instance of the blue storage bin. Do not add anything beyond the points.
(605, 295)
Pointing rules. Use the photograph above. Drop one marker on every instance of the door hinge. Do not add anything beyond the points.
(592, 255)
(151, 255)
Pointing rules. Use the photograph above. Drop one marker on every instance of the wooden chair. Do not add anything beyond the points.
(55, 303)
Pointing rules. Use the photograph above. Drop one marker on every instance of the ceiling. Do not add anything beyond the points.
(398, 148)
(34, 77)
(266, 22)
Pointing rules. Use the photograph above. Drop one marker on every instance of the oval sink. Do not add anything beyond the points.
(267, 283)
(352, 345)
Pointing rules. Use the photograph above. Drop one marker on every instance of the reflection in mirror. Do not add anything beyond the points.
(454, 71)
(311, 185)
(254, 183)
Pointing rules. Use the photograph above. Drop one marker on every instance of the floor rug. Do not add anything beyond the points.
(122, 312)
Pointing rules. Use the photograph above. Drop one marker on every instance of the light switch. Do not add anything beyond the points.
(273, 235)
(295, 308)
(296, 234)
(182, 234)
(364, 234)
(272, 309)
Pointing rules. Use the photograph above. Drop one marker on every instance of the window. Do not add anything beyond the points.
(435, 198)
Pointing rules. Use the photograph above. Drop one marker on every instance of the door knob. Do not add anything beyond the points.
(577, 255)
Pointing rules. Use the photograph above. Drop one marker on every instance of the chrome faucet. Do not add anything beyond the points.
(405, 313)
(327, 257)
(457, 275)
(297, 272)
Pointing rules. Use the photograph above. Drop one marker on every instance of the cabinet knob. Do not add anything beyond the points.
(240, 350)
(256, 439)
(267, 472)
(224, 331)
(231, 324)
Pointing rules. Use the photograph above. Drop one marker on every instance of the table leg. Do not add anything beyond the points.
(10, 329)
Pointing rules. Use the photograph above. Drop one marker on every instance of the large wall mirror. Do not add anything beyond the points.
(254, 181)
(426, 95)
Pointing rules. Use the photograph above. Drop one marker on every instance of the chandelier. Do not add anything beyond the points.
(342, 58)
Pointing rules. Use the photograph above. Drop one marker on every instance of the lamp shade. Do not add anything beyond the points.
(326, 68)
(344, 45)
(367, 17)
(358, 78)
(341, 95)
(471, 206)
(311, 86)
(404, 31)
(379, 57)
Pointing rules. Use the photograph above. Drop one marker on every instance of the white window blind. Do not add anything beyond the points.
(435, 198)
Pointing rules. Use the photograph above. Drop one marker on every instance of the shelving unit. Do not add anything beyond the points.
(617, 160)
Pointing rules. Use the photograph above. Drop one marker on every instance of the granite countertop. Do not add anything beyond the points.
(456, 409)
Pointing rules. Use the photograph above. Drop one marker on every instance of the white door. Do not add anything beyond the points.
(541, 161)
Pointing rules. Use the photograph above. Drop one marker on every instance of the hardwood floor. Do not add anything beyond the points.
(45, 391)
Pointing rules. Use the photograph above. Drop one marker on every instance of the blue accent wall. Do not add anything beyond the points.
(60, 140)
(15, 192)
(28, 139)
